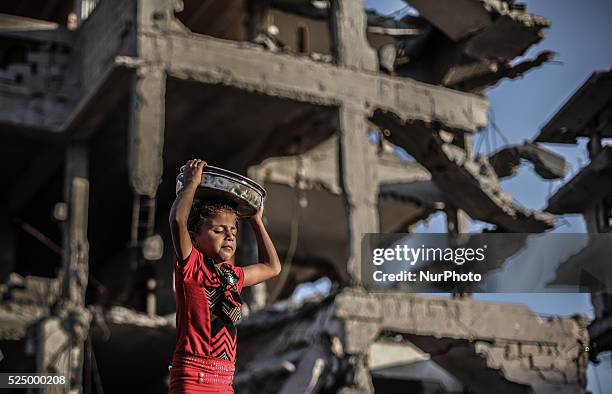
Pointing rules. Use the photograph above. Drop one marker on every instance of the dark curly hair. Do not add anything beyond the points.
(204, 210)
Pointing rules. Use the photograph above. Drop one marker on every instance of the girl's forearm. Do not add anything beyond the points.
(182, 204)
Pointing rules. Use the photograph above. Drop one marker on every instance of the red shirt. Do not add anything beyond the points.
(200, 328)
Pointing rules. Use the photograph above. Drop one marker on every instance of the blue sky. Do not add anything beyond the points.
(580, 34)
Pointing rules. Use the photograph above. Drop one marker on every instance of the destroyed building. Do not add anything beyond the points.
(102, 101)
(588, 114)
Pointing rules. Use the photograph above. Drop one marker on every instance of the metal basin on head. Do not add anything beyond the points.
(219, 183)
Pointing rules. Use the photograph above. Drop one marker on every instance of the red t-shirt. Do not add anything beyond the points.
(199, 330)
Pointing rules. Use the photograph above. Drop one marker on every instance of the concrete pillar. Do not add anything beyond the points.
(76, 246)
(359, 182)
(145, 161)
(357, 155)
(351, 47)
(61, 337)
(146, 133)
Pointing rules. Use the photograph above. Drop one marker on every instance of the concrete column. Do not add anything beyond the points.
(359, 182)
(146, 133)
(76, 246)
(351, 47)
(147, 101)
(78, 257)
(61, 337)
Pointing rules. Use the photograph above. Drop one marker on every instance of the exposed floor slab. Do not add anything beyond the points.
(471, 184)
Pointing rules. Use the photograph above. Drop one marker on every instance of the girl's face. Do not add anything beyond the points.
(216, 237)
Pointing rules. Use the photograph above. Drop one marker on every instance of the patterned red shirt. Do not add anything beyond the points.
(201, 327)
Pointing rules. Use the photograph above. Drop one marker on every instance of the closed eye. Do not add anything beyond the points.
(233, 231)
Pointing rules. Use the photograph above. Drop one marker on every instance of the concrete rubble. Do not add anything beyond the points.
(546, 163)
(351, 325)
(313, 99)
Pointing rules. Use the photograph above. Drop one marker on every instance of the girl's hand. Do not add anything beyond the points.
(258, 217)
(192, 174)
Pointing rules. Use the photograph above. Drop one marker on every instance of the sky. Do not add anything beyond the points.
(580, 35)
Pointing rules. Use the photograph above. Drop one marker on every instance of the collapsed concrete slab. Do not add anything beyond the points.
(469, 183)
(484, 22)
(484, 74)
(547, 164)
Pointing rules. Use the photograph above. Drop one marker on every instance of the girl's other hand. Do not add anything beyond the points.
(192, 174)
(258, 217)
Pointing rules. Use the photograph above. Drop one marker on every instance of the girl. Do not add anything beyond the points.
(208, 286)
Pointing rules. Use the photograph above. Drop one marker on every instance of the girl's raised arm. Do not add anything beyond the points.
(179, 214)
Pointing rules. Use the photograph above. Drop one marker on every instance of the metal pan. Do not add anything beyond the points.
(219, 183)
